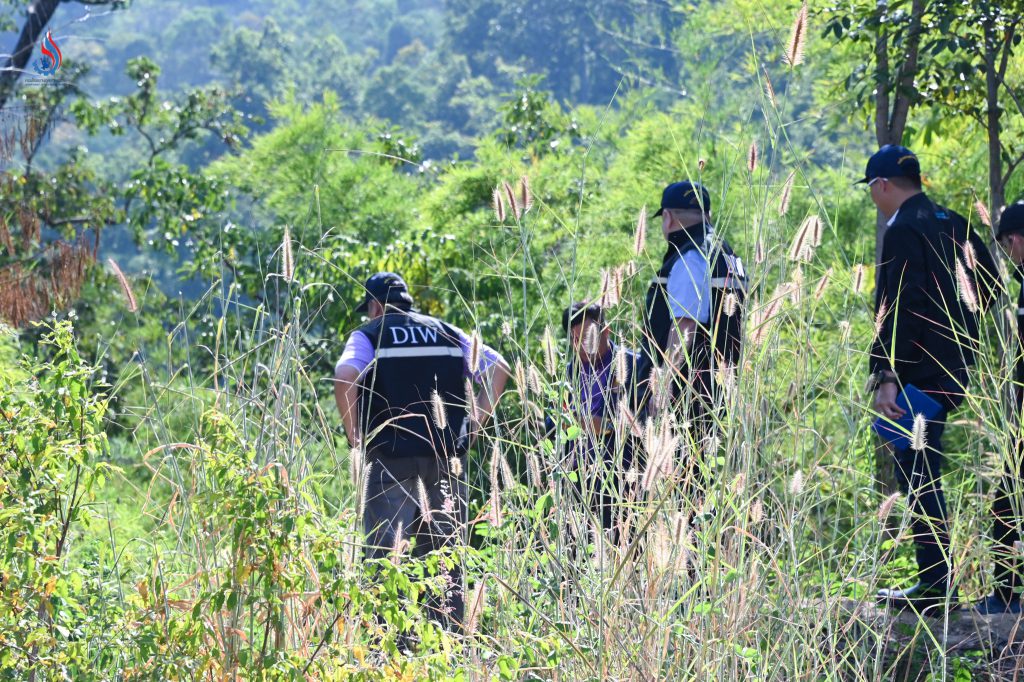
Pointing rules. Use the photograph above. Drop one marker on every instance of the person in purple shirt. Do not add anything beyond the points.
(403, 391)
(597, 387)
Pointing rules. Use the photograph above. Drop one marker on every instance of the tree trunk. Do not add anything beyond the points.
(39, 14)
(996, 189)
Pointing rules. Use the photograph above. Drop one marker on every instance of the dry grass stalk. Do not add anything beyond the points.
(477, 601)
(770, 90)
(752, 155)
(759, 253)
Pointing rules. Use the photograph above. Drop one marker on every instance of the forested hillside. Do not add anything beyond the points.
(192, 202)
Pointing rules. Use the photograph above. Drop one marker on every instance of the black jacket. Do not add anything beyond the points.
(927, 328)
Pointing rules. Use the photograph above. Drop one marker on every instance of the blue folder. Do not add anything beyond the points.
(914, 402)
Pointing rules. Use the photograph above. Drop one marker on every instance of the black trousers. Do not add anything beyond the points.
(919, 475)
(1007, 515)
(393, 504)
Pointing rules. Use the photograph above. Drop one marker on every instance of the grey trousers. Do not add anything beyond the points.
(394, 514)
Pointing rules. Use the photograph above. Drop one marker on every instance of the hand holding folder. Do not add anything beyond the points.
(913, 402)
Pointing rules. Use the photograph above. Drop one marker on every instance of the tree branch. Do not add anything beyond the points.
(907, 73)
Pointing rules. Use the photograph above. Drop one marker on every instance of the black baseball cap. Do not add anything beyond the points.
(580, 311)
(892, 161)
(1012, 220)
(385, 287)
(685, 195)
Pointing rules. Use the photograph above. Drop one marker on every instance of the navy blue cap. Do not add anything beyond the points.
(385, 287)
(1012, 220)
(685, 195)
(892, 161)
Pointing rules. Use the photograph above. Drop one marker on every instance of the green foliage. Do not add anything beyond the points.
(53, 445)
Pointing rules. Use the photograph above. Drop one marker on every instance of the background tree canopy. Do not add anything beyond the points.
(180, 505)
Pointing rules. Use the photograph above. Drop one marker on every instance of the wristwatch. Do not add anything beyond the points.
(876, 380)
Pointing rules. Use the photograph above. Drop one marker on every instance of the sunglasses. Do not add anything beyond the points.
(874, 180)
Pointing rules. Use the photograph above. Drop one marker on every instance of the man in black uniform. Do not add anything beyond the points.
(694, 304)
(402, 391)
(1007, 508)
(934, 277)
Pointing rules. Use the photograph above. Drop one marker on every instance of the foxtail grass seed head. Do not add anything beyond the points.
(424, 501)
(967, 293)
(807, 238)
(438, 410)
(400, 546)
(455, 466)
(550, 348)
(126, 288)
(885, 508)
(591, 339)
(797, 39)
(860, 275)
(752, 155)
(796, 484)
(498, 203)
(525, 195)
(287, 259)
(474, 350)
(471, 406)
(759, 254)
(787, 192)
(983, 213)
(521, 381)
(819, 289)
(640, 234)
(355, 464)
(883, 310)
(533, 380)
(756, 512)
(770, 90)
(533, 469)
(621, 367)
(730, 304)
(609, 295)
(844, 331)
(506, 328)
(739, 484)
(918, 435)
(970, 256)
(513, 201)
(701, 164)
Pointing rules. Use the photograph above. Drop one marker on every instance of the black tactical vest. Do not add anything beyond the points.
(728, 296)
(725, 325)
(414, 356)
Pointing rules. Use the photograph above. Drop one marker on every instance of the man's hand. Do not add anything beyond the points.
(885, 402)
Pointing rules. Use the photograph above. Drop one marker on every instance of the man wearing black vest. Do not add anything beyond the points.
(1007, 510)
(934, 277)
(692, 310)
(403, 390)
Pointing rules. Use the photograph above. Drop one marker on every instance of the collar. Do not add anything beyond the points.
(693, 234)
